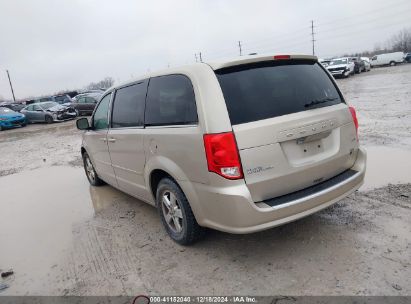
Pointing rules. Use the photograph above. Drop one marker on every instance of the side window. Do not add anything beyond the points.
(128, 107)
(100, 118)
(30, 108)
(170, 101)
(90, 100)
(37, 108)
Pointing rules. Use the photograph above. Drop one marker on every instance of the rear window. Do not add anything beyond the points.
(269, 89)
(170, 101)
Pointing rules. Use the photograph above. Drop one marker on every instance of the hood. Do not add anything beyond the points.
(338, 66)
(11, 115)
(57, 108)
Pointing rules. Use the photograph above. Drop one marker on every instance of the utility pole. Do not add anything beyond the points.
(201, 58)
(239, 46)
(11, 86)
(195, 56)
(312, 35)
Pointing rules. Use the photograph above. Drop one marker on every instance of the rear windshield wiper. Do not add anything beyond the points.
(318, 101)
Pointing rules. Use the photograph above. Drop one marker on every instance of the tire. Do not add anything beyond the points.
(91, 173)
(392, 63)
(181, 224)
(49, 119)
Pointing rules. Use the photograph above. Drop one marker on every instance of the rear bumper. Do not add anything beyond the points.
(231, 209)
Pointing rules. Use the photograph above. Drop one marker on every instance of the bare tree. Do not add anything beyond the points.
(102, 84)
(401, 42)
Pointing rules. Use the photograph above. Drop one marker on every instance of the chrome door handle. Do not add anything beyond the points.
(103, 139)
(111, 140)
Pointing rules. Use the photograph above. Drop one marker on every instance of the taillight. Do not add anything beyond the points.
(278, 57)
(222, 155)
(354, 118)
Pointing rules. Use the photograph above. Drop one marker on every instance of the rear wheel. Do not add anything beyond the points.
(49, 119)
(90, 171)
(176, 214)
(392, 63)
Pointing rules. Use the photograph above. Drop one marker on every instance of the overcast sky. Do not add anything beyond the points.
(51, 45)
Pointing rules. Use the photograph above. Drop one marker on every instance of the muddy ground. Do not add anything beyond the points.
(63, 237)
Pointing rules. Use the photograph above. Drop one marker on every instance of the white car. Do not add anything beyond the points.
(341, 67)
(387, 59)
(367, 63)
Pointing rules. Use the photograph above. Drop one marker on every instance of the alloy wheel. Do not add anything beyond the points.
(172, 212)
(90, 169)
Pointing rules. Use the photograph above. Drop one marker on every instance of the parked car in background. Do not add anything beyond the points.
(325, 62)
(367, 63)
(341, 67)
(43, 99)
(12, 105)
(61, 99)
(85, 103)
(387, 59)
(407, 58)
(97, 91)
(263, 141)
(359, 65)
(48, 112)
(11, 119)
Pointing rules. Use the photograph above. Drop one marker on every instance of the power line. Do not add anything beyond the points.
(366, 13)
(407, 12)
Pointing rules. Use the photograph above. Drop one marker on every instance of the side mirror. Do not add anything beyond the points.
(82, 124)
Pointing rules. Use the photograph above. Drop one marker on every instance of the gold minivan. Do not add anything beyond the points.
(238, 146)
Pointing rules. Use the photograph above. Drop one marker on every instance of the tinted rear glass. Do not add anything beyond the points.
(270, 89)
(128, 108)
(170, 101)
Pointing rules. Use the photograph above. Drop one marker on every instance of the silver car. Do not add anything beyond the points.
(48, 112)
(238, 146)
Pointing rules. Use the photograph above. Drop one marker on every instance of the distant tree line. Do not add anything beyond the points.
(400, 42)
(105, 83)
(102, 84)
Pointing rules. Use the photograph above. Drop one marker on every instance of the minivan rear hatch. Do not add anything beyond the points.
(292, 126)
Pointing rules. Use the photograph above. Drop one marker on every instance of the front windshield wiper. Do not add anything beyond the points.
(318, 101)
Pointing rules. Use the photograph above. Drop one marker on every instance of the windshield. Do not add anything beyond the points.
(5, 110)
(270, 89)
(48, 105)
(338, 61)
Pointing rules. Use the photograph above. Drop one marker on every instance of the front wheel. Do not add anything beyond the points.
(49, 119)
(90, 171)
(176, 214)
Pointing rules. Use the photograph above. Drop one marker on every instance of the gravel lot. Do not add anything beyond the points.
(63, 237)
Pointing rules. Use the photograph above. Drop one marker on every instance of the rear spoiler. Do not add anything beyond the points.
(254, 59)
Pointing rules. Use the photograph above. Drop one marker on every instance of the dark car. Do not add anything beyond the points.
(85, 103)
(407, 58)
(359, 65)
(61, 99)
(48, 112)
(12, 106)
